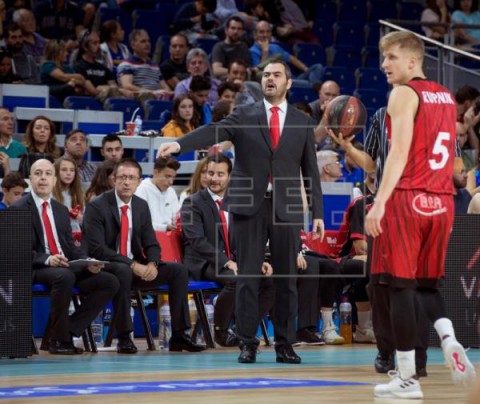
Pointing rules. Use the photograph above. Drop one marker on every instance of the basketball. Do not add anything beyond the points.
(346, 114)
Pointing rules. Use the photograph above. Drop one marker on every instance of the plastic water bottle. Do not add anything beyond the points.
(346, 321)
(210, 310)
(335, 317)
(107, 319)
(165, 326)
(138, 125)
(192, 309)
(97, 328)
(132, 315)
(77, 341)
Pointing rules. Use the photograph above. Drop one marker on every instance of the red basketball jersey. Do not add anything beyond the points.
(432, 153)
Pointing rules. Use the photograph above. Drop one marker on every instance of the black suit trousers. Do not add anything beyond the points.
(251, 234)
(173, 275)
(98, 289)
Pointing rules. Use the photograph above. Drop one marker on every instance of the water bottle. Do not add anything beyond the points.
(192, 309)
(210, 310)
(138, 125)
(165, 326)
(346, 321)
(132, 315)
(77, 341)
(97, 328)
(335, 317)
(107, 319)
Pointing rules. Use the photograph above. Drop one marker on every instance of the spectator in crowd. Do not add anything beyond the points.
(134, 256)
(195, 19)
(436, 11)
(264, 50)
(248, 91)
(68, 190)
(59, 77)
(3, 18)
(23, 64)
(160, 195)
(198, 181)
(59, 19)
(304, 107)
(183, 119)
(9, 147)
(76, 145)
(462, 197)
(474, 206)
(137, 74)
(327, 92)
(13, 188)
(102, 181)
(7, 76)
(112, 148)
(210, 248)
(466, 12)
(473, 178)
(462, 138)
(112, 35)
(329, 166)
(227, 92)
(465, 98)
(198, 65)
(33, 43)
(53, 248)
(40, 137)
(99, 80)
(231, 49)
(174, 69)
(200, 87)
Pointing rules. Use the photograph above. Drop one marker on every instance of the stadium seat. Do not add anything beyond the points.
(310, 54)
(126, 106)
(353, 11)
(370, 77)
(24, 95)
(153, 21)
(302, 94)
(347, 56)
(371, 98)
(98, 122)
(351, 34)
(323, 29)
(206, 44)
(154, 108)
(371, 57)
(326, 10)
(78, 102)
(341, 75)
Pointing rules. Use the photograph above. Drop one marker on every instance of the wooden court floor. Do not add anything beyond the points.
(327, 375)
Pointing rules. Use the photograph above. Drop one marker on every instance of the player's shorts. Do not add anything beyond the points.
(412, 248)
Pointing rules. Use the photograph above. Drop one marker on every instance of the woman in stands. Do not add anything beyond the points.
(68, 190)
(198, 181)
(435, 11)
(183, 117)
(59, 77)
(102, 181)
(112, 35)
(40, 137)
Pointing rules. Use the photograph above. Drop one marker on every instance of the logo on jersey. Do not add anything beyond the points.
(428, 205)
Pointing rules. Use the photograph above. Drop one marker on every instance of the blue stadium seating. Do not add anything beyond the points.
(310, 54)
(350, 34)
(371, 98)
(370, 77)
(302, 94)
(154, 108)
(124, 105)
(152, 21)
(342, 76)
(78, 102)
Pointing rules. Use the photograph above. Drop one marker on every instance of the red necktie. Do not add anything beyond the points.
(223, 219)
(274, 127)
(52, 245)
(124, 230)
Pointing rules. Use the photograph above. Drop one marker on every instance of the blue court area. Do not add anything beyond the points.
(222, 372)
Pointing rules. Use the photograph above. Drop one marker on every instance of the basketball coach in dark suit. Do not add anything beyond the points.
(52, 249)
(118, 228)
(209, 247)
(273, 143)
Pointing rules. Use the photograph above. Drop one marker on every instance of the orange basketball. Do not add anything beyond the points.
(346, 114)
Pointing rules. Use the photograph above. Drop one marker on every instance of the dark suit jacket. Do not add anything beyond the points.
(62, 224)
(204, 241)
(255, 161)
(102, 230)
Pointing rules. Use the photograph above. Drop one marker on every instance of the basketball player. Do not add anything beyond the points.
(414, 205)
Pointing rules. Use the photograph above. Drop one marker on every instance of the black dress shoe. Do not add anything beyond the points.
(384, 363)
(422, 371)
(126, 346)
(286, 354)
(226, 338)
(248, 353)
(63, 348)
(183, 342)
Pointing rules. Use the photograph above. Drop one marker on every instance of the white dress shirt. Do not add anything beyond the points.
(216, 198)
(39, 204)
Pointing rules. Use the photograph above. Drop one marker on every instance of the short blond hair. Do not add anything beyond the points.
(405, 40)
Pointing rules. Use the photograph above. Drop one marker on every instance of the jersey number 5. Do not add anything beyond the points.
(440, 149)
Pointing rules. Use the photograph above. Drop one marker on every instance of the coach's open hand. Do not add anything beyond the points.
(318, 229)
(167, 149)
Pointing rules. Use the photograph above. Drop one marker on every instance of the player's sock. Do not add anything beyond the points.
(406, 364)
(444, 328)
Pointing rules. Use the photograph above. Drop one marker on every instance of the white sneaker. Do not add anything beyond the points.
(399, 388)
(330, 335)
(456, 359)
(364, 335)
